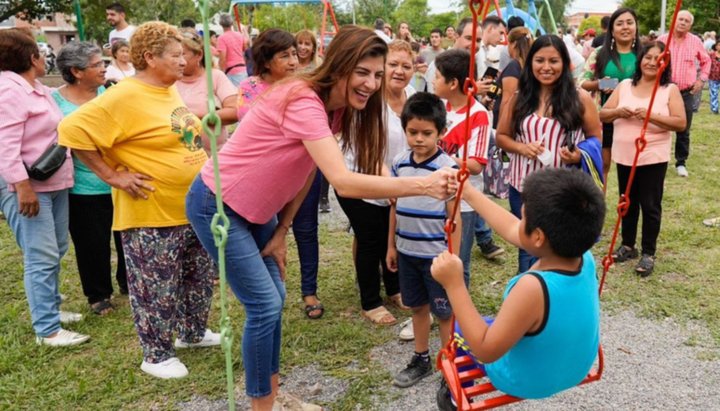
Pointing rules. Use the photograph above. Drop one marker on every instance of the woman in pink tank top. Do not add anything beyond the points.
(544, 120)
(627, 108)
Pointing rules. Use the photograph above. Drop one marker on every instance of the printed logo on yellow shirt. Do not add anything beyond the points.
(186, 124)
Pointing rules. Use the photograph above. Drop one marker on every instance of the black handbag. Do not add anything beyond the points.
(49, 162)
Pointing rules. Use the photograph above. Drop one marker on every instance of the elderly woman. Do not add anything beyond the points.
(193, 87)
(149, 153)
(37, 211)
(626, 109)
(91, 209)
(120, 67)
(307, 50)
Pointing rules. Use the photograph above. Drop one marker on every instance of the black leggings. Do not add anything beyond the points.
(90, 227)
(370, 223)
(646, 194)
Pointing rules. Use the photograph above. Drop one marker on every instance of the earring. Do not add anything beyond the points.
(612, 44)
(633, 45)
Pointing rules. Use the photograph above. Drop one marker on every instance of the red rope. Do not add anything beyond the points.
(448, 353)
(640, 143)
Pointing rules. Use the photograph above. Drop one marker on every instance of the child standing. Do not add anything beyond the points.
(417, 233)
(548, 323)
(452, 68)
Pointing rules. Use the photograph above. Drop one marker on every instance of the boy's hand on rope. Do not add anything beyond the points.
(447, 269)
(277, 249)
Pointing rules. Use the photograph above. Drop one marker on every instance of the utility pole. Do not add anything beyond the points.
(662, 16)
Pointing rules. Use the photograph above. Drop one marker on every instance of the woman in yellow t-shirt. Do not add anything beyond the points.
(140, 138)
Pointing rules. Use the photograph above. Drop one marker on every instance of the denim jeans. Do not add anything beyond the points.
(483, 233)
(305, 230)
(525, 260)
(469, 219)
(238, 77)
(43, 240)
(714, 88)
(255, 280)
(682, 138)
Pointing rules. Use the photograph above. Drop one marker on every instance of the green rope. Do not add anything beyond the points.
(220, 222)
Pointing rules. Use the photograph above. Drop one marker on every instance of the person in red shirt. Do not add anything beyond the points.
(688, 54)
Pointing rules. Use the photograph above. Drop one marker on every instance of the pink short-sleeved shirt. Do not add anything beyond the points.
(265, 164)
(29, 118)
(195, 96)
(627, 130)
(232, 44)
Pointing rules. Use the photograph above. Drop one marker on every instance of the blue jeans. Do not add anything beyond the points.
(43, 240)
(525, 260)
(469, 219)
(305, 230)
(237, 78)
(255, 280)
(483, 233)
(714, 88)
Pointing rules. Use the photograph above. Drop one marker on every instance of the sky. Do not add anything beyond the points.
(441, 6)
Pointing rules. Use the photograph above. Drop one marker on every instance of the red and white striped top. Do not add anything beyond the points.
(536, 129)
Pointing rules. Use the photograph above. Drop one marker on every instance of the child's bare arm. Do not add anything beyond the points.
(521, 312)
(391, 256)
(457, 234)
(504, 223)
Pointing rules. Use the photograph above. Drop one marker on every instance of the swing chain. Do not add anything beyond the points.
(220, 224)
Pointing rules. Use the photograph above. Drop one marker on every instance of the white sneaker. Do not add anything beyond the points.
(170, 368)
(406, 332)
(210, 339)
(66, 317)
(682, 171)
(63, 338)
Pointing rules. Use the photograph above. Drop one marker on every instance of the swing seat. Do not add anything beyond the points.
(482, 395)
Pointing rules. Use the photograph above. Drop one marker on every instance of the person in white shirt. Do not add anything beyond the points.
(493, 30)
(120, 67)
(462, 41)
(380, 30)
(115, 16)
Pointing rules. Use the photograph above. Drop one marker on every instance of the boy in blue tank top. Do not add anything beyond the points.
(545, 337)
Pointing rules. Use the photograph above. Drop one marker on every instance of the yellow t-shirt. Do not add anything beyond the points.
(143, 129)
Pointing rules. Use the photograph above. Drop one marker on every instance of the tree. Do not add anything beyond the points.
(592, 22)
(31, 9)
(415, 14)
(707, 14)
(366, 11)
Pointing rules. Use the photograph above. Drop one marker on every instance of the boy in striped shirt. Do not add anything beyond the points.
(417, 233)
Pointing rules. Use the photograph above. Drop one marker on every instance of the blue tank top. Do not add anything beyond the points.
(86, 182)
(560, 354)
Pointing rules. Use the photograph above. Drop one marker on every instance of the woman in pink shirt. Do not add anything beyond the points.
(267, 168)
(626, 108)
(193, 87)
(37, 211)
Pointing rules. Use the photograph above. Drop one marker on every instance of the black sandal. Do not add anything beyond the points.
(102, 307)
(645, 266)
(311, 308)
(624, 253)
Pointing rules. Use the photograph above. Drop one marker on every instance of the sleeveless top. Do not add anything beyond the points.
(535, 129)
(560, 354)
(627, 130)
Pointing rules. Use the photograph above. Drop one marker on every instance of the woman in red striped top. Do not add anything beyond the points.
(544, 120)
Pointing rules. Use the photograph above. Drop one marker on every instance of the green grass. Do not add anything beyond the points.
(104, 374)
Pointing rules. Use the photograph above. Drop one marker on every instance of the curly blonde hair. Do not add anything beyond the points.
(152, 37)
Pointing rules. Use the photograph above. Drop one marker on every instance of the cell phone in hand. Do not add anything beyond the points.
(490, 73)
(608, 83)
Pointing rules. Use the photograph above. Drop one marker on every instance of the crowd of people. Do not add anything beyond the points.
(117, 155)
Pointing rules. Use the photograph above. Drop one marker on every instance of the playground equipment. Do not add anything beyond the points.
(531, 17)
(235, 7)
(481, 394)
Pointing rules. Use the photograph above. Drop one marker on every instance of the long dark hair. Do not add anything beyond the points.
(666, 75)
(608, 51)
(564, 99)
(363, 131)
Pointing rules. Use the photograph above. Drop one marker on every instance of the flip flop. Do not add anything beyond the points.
(102, 307)
(380, 316)
(317, 307)
(396, 301)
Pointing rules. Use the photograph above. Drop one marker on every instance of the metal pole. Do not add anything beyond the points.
(80, 26)
(663, 9)
(352, 5)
